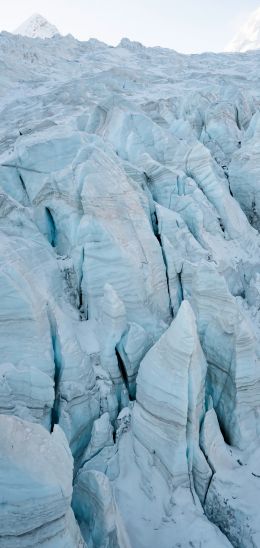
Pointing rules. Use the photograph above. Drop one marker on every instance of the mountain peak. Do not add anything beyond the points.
(37, 27)
(248, 37)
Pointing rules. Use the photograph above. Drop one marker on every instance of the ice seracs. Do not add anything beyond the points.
(162, 444)
(27, 393)
(97, 512)
(130, 294)
(231, 502)
(36, 487)
(180, 391)
(231, 352)
(244, 173)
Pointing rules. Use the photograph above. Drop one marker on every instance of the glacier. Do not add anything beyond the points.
(130, 295)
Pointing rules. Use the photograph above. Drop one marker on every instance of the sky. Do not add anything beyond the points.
(188, 26)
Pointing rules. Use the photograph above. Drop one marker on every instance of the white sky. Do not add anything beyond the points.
(184, 25)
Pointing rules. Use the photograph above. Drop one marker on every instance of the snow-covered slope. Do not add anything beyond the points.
(130, 296)
(248, 37)
(37, 27)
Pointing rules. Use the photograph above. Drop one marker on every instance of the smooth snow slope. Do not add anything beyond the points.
(130, 296)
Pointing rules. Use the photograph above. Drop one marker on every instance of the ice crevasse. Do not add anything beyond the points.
(130, 296)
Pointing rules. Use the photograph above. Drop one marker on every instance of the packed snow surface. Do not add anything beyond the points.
(130, 295)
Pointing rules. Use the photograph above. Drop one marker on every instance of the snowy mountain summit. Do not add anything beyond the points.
(37, 27)
(248, 37)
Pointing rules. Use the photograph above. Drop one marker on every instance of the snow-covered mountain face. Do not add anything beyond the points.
(130, 296)
(37, 27)
(248, 37)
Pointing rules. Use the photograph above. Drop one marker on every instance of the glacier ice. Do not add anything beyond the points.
(159, 444)
(96, 511)
(231, 351)
(230, 502)
(130, 295)
(172, 373)
(36, 487)
(26, 393)
(244, 172)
